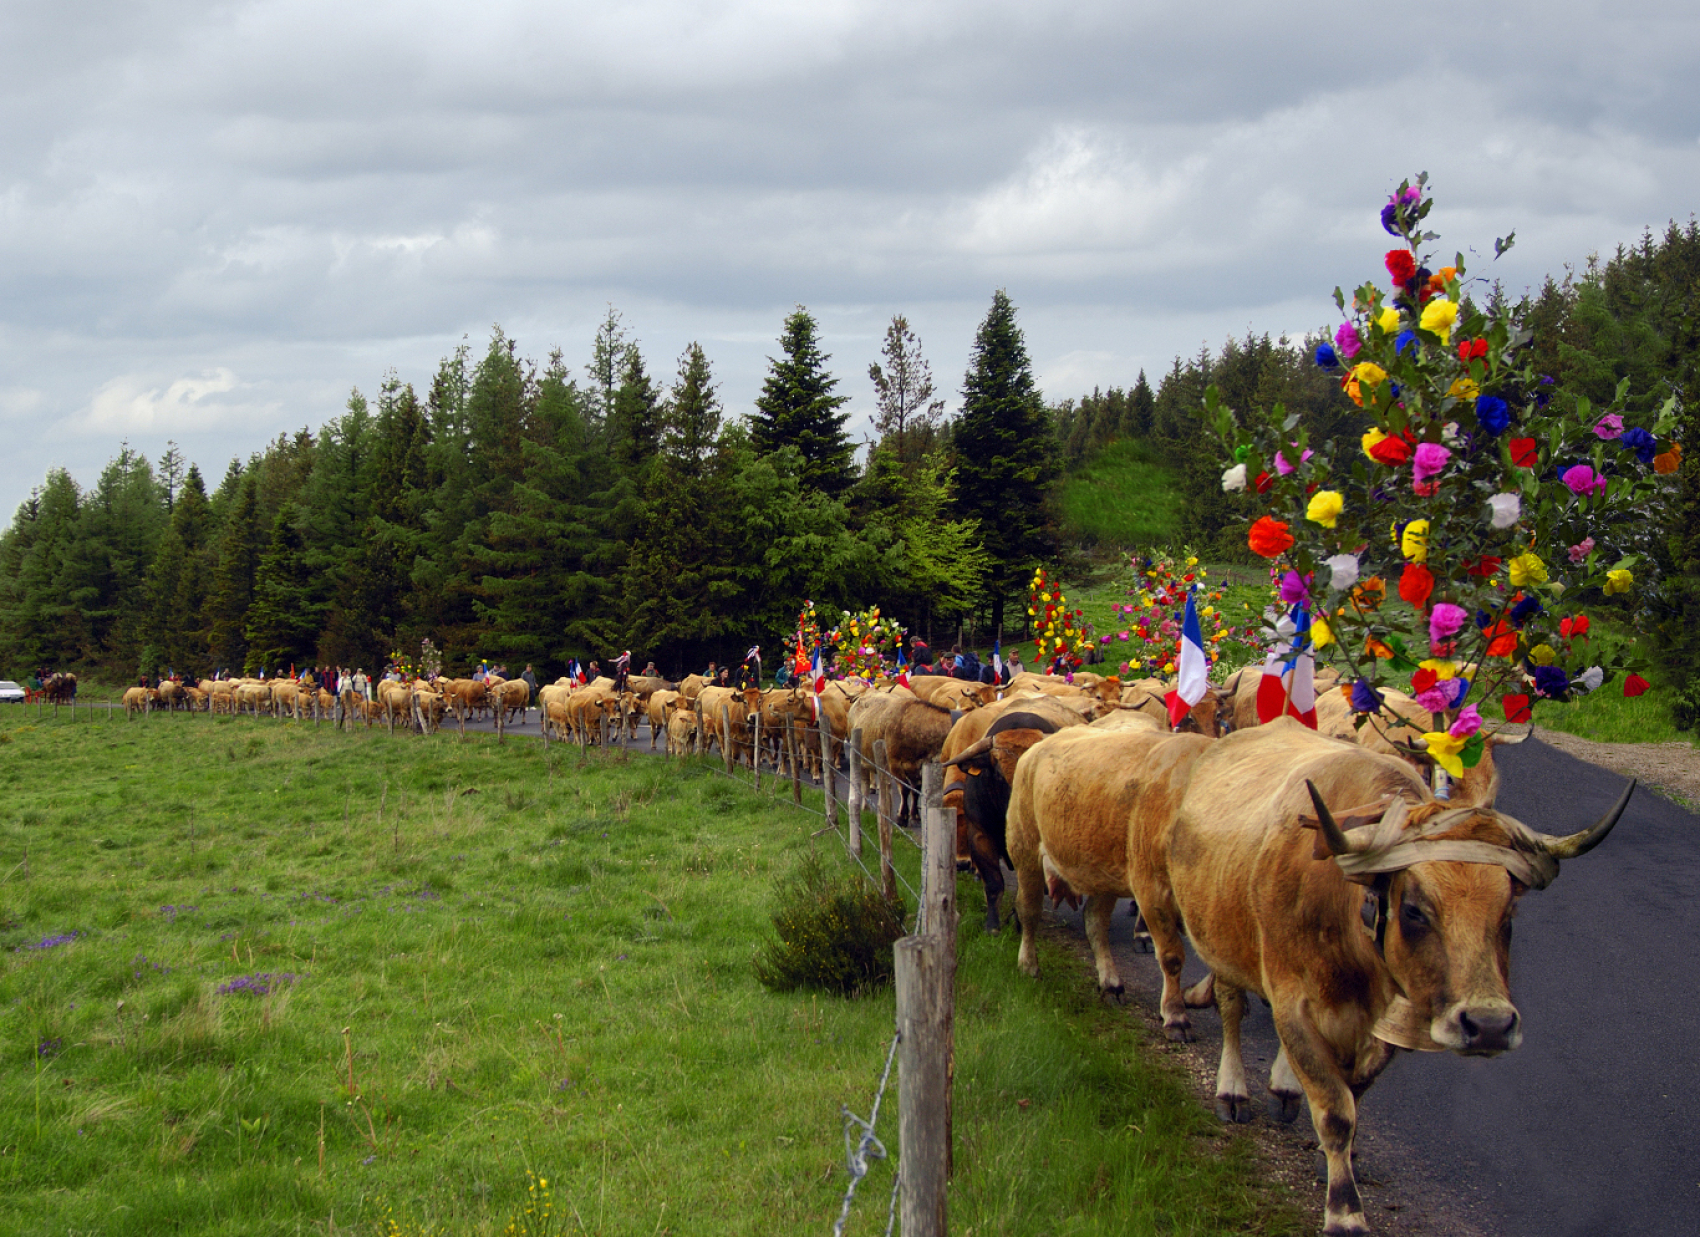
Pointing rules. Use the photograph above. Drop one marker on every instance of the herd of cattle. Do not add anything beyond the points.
(1314, 868)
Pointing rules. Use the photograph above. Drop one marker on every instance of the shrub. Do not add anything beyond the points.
(831, 932)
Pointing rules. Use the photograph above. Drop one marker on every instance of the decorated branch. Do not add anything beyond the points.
(1470, 495)
(861, 640)
(1156, 606)
(1056, 627)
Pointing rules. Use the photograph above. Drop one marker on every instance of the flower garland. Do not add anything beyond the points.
(1154, 616)
(861, 639)
(1056, 626)
(1471, 494)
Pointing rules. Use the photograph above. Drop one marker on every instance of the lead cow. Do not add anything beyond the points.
(1386, 923)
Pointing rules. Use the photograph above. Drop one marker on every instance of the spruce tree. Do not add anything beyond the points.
(1141, 409)
(282, 622)
(1003, 446)
(692, 415)
(233, 582)
(906, 413)
(636, 423)
(798, 409)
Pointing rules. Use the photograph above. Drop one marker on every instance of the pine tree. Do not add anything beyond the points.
(607, 365)
(692, 414)
(636, 423)
(1141, 409)
(233, 582)
(1003, 446)
(798, 409)
(907, 413)
(282, 622)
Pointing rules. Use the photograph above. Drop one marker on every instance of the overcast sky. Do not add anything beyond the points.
(219, 218)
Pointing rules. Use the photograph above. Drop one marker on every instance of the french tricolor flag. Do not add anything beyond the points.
(820, 681)
(902, 669)
(1288, 686)
(1194, 677)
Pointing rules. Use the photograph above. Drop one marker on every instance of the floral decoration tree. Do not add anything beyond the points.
(1057, 628)
(1471, 497)
(1158, 606)
(861, 641)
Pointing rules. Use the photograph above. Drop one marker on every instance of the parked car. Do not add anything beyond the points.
(10, 692)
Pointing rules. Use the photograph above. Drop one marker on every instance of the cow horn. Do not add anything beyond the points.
(1338, 843)
(968, 753)
(1581, 843)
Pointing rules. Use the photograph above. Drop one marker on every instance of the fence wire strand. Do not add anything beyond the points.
(858, 1151)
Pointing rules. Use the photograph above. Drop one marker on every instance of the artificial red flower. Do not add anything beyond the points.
(1472, 349)
(1401, 265)
(1416, 585)
(1484, 566)
(1269, 538)
(1422, 680)
(1574, 628)
(1263, 482)
(1391, 451)
(1516, 708)
(1523, 452)
(1634, 685)
(1502, 640)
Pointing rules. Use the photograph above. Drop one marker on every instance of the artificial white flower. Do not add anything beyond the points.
(1589, 679)
(1506, 509)
(1234, 479)
(1345, 569)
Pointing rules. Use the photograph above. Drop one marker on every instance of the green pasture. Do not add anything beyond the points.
(1125, 496)
(258, 977)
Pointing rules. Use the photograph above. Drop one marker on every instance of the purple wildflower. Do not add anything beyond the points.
(257, 985)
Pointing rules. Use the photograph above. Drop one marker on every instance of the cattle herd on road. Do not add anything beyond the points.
(1313, 868)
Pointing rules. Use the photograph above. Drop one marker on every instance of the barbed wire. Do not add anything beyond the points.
(859, 1151)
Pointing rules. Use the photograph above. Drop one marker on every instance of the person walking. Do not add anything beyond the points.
(529, 678)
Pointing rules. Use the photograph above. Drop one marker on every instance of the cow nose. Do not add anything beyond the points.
(1488, 1029)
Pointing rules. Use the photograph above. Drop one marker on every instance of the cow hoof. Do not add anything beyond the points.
(1283, 1108)
(1142, 943)
(1350, 1226)
(1113, 988)
(1178, 1032)
(1234, 1109)
(993, 927)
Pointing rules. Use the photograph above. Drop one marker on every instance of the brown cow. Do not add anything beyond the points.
(914, 732)
(952, 693)
(1388, 928)
(1108, 689)
(139, 700)
(743, 706)
(681, 725)
(513, 697)
(1076, 809)
(979, 756)
(657, 710)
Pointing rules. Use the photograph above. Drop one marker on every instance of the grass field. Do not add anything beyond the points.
(262, 978)
(1123, 497)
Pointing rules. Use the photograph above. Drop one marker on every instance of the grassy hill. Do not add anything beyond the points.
(1126, 495)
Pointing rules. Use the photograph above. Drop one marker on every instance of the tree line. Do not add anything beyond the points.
(519, 512)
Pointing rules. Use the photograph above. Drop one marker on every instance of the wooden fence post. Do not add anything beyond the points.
(756, 763)
(726, 736)
(697, 706)
(926, 985)
(887, 784)
(828, 774)
(791, 746)
(602, 728)
(858, 790)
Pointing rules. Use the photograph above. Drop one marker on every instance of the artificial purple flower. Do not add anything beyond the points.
(1429, 461)
(1347, 341)
(1281, 465)
(1456, 689)
(1551, 682)
(1609, 426)
(1294, 588)
(1436, 699)
(1365, 699)
(1641, 442)
(1445, 620)
(1583, 480)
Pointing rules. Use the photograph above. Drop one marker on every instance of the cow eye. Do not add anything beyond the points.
(1412, 917)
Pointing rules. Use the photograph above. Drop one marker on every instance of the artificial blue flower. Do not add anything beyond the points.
(1493, 414)
(1365, 699)
(1389, 218)
(1524, 610)
(1484, 620)
(1551, 682)
(1641, 442)
(1458, 687)
(1403, 340)
(1326, 358)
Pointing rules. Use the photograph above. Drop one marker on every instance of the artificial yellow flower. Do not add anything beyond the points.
(1325, 507)
(1370, 439)
(1446, 749)
(1543, 655)
(1527, 568)
(1443, 669)
(1464, 388)
(1369, 373)
(1388, 320)
(1438, 316)
(1321, 635)
(1619, 581)
(1192, 562)
(1413, 544)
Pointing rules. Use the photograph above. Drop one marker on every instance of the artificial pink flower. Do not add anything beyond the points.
(1445, 620)
(1430, 460)
(1435, 700)
(1347, 341)
(1583, 480)
(1466, 724)
(1610, 426)
(1579, 553)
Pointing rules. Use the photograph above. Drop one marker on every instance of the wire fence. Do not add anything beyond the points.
(859, 1150)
